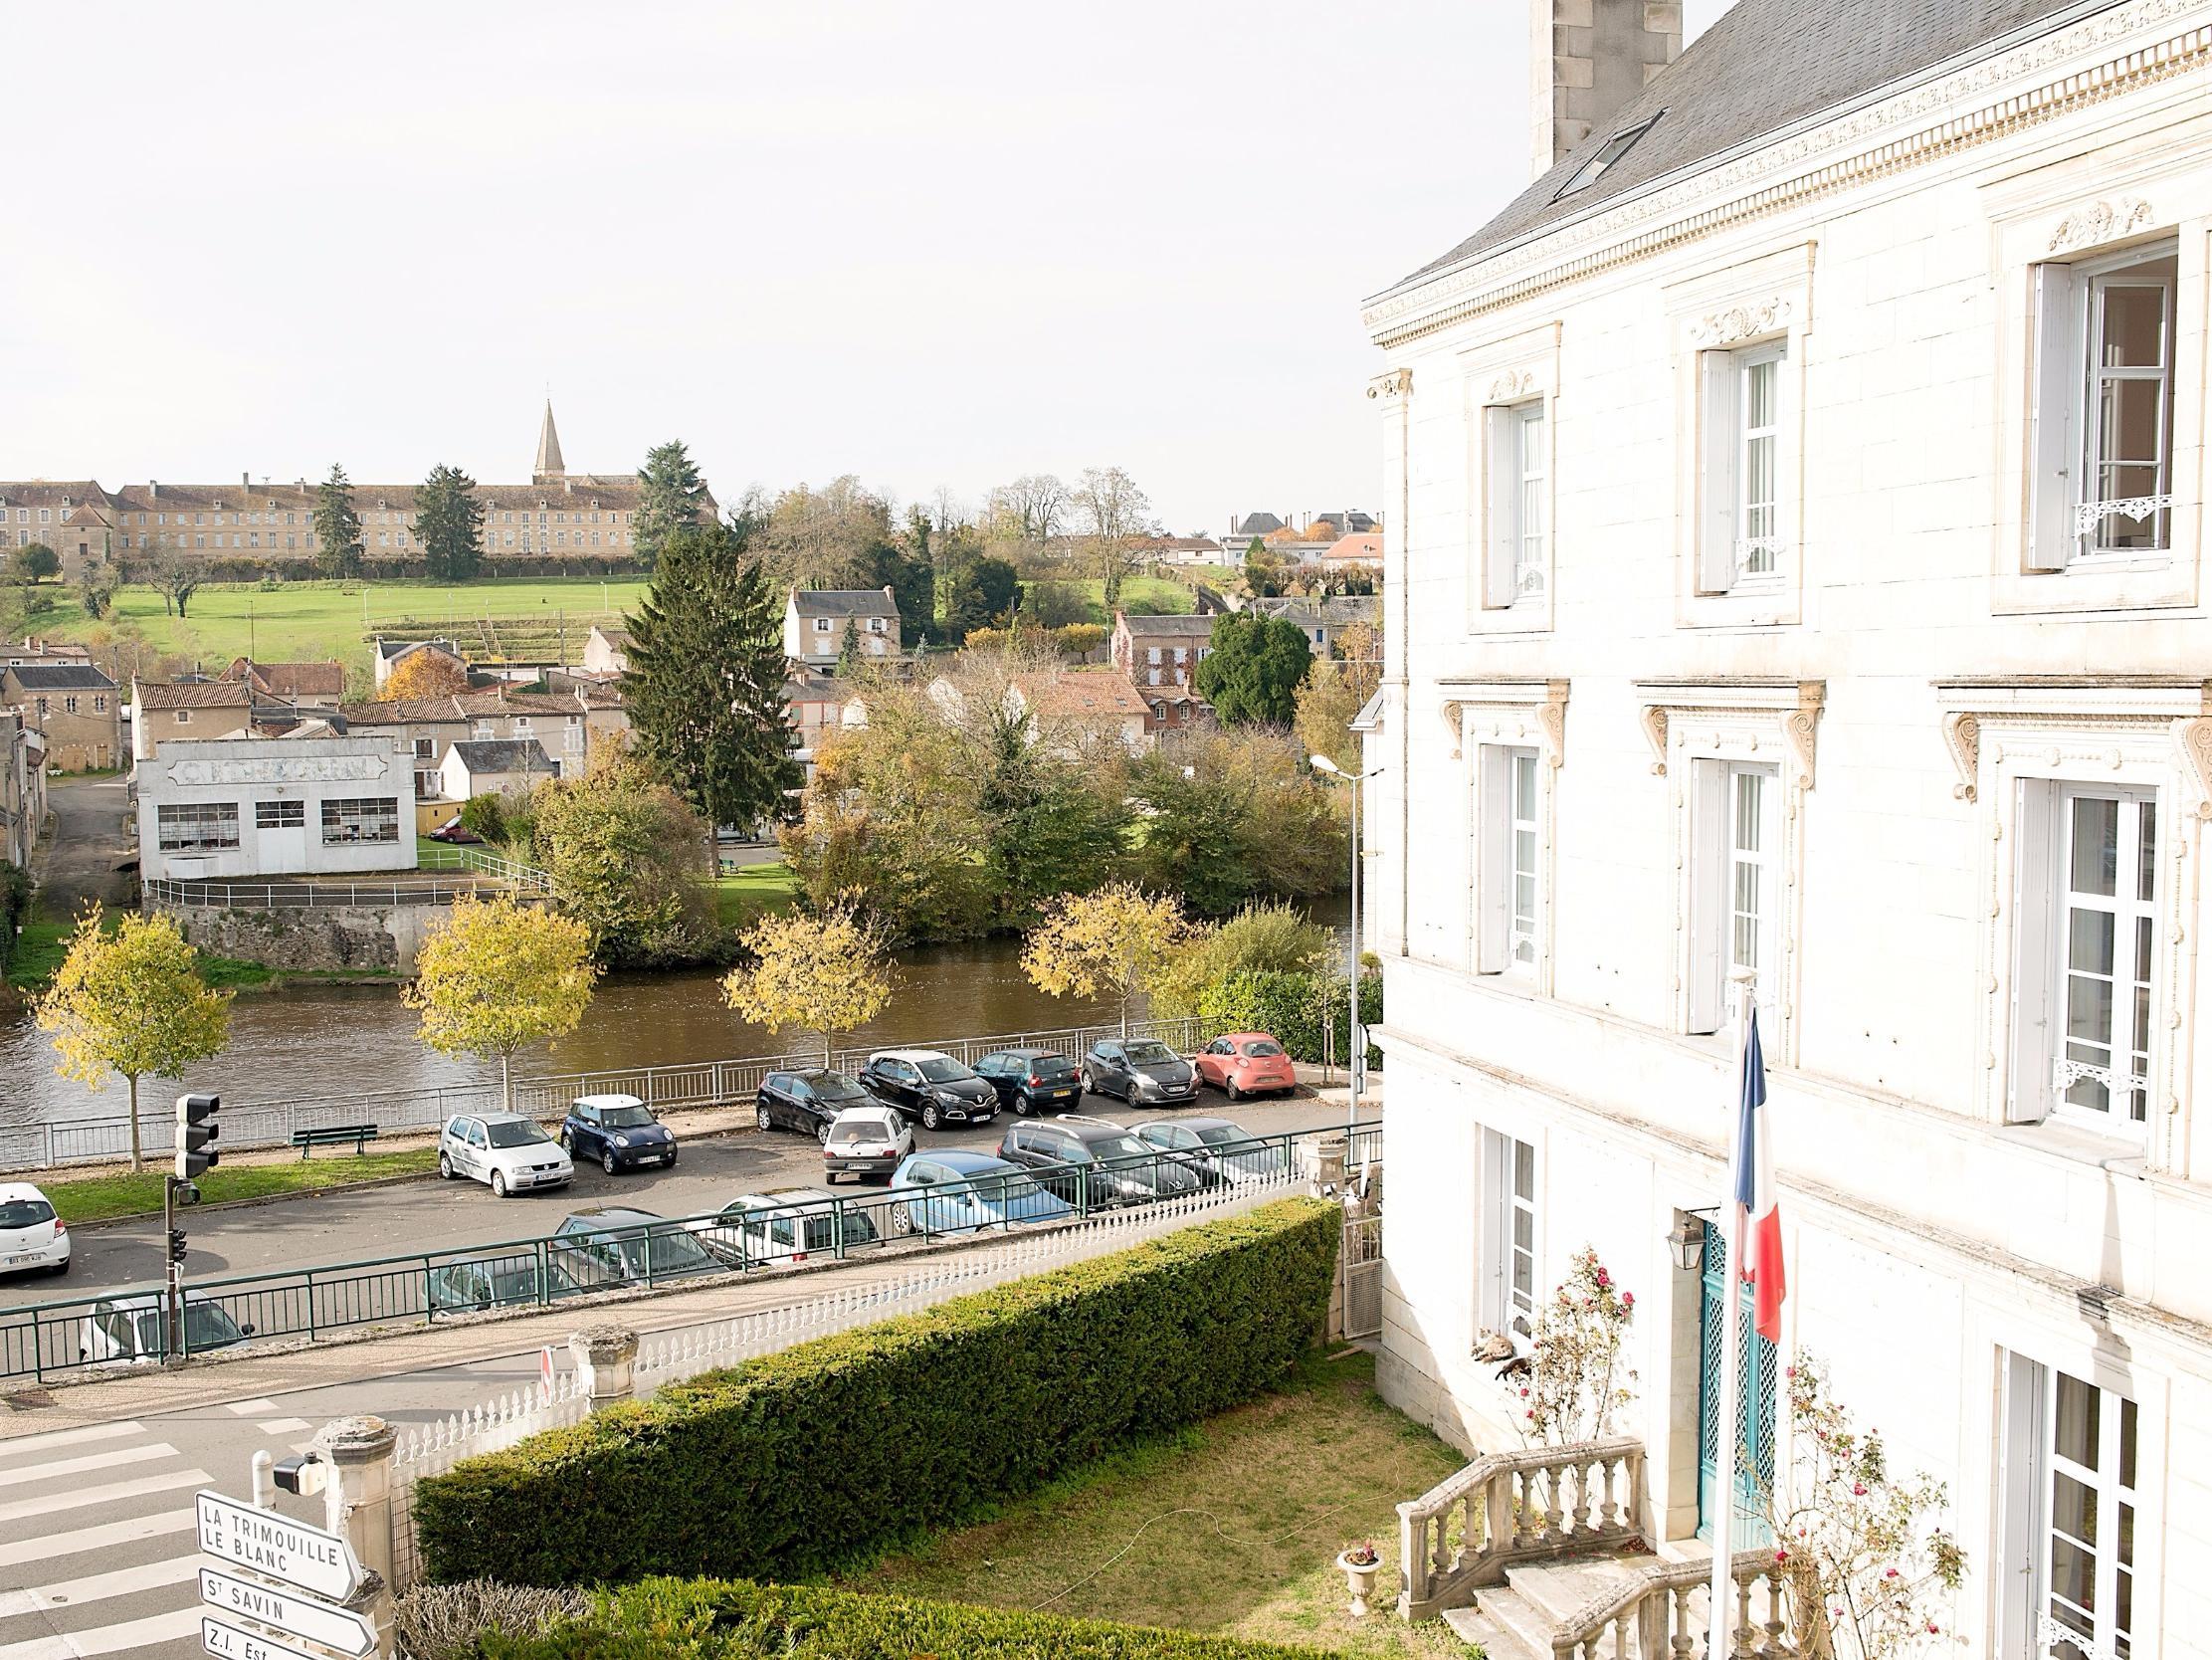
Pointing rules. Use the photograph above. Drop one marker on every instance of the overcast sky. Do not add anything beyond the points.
(928, 244)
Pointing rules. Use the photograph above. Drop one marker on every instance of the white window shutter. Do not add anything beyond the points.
(1493, 867)
(1502, 503)
(1717, 436)
(1708, 893)
(2054, 418)
(2035, 954)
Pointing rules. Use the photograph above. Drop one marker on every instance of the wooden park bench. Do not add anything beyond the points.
(333, 1135)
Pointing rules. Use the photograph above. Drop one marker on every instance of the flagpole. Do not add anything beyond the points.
(1729, 1220)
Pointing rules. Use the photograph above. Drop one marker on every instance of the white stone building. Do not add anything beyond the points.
(263, 808)
(1794, 563)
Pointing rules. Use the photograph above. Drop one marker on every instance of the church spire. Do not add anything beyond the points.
(548, 450)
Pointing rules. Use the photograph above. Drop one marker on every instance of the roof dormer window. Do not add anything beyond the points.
(1611, 151)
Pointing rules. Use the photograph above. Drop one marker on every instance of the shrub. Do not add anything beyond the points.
(1294, 1007)
(1278, 935)
(799, 1461)
(703, 1619)
(450, 1622)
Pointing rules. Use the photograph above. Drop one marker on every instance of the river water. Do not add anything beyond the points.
(322, 1040)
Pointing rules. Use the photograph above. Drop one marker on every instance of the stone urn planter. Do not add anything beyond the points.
(1361, 1563)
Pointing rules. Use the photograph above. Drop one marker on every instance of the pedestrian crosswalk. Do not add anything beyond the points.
(97, 1550)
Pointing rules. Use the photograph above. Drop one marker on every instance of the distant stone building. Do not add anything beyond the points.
(257, 807)
(187, 708)
(495, 767)
(607, 651)
(390, 653)
(813, 622)
(1160, 651)
(320, 683)
(556, 513)
(570, 726)
(22, 787)
(76, 707)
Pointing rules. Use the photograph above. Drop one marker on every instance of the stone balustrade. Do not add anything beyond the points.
(1660, 1616)
(1535, 1505)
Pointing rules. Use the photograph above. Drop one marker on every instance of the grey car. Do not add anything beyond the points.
(1142, 1071)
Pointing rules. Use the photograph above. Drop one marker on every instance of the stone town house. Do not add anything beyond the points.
(1160, 651)
(816, 621)
(1795, 570)
(556, 513)
(571, 726)
(187, 708)
(74, 706)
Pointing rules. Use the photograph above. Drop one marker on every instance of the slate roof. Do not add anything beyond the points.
(468, 705)
(290, 679)
(59, 677)
(503, 755)
(844, 602)
(1079, 694)
(393, 650)
(192, 694)
(1257, 525)
(1165, 628)
(1765, 66)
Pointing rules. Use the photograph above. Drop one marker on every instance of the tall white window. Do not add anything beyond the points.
(1518, 566)
(1508, 936)
(2069, 1515)
(1737, 888)
(2104, 398)
(1740, 538)
(1511, 1303)
(2108, 944)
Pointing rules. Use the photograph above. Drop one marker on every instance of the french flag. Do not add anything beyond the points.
(1759, 1217)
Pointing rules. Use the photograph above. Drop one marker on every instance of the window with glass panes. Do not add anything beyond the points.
(196, 826)
(2086, 1552)
(2107, 941)
(1759, 527)
(346, 821)
(2127, 428)
(1752, 886)
(1523, 936)
(1513, 1303)
(1528, 460)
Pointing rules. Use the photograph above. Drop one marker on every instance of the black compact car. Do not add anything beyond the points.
(1142, 1071)
(1092, 1163)
(619, 1131)
(1032, 1080)
(808, 1101)
(925, 1085)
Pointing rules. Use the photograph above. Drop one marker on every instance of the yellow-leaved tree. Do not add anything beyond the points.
(1109, 943)
(497, 975)
(131, 1003)
(426, 674)
(827, 972)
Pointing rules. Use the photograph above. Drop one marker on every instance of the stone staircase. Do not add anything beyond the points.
(1536, 1556)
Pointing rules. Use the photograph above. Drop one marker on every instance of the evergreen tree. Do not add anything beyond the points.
(981, 593)
(670, 491)
(338, 527)
(449, 523)
(1253, 669)
(706, 675)
(849, 648)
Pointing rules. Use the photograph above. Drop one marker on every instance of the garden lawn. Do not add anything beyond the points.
(316, 620)
(1231, 1527)
(95, 1198)
(744, 896)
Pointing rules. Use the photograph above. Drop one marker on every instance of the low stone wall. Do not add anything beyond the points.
(326, 936)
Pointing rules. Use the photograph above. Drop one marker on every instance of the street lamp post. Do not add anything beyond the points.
(1359, 1032)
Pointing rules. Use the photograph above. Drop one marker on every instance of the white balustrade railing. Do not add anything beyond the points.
(670, 1356)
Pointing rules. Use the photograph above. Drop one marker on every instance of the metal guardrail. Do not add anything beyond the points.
(464, 856)
(316, 894)
(46, 1339)
(271, 1124)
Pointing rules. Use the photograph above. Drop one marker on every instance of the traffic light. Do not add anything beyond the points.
(176, 1246)
(196, 1134)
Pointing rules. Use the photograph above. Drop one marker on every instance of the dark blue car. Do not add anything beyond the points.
(619, 1131)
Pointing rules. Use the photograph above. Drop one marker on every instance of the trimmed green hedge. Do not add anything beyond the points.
(1289, 1004)
(703, 1619)
(799, 1461)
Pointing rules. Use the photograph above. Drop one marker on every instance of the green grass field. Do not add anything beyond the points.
(751, 893)
(97, 1198)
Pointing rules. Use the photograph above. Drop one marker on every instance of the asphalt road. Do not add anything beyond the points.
(365, 1224)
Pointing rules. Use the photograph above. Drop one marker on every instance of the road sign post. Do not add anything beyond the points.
(228, 1640)
(338, 1630)
(278, 1547)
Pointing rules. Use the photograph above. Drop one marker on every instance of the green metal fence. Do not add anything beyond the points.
(129, 1325)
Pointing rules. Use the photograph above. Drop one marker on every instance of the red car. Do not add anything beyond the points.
(1246, 1062)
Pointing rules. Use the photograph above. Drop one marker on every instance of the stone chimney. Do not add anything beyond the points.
(1587, 58)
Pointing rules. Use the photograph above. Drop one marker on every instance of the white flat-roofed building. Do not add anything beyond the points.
(264, 807)
(1796, 568)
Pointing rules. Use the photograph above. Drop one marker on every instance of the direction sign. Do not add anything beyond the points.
(278, 1546)
(234, 1642)
(319, 1622)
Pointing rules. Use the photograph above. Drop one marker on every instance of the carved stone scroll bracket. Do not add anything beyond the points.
(1553, 712)
(1800, 725)
(1398, 383)
(2195, 740)
(1454, 714)
(1962, 736)
(1655, 734)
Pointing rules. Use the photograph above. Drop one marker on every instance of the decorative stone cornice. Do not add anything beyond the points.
(1544, 701)
(2006, 92)
(2126, 704)
(1794, 705)
(1397, 383)
(2094, 222)
(1514, 383)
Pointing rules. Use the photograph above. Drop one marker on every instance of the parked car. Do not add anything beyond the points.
(925, 1085)
(611, 1245)
(1246, 1062)
(452, 830)
(1221, 1153)
(789, 1224)
(1138, 1070)
(1092, 1162)
(619, 1131)
(129, 1329)
(507, 1151)
(865, 1140)
(957, 1191)
(31, 1237)
(508, 1280)
(1032, 1080)
(808, 1101)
